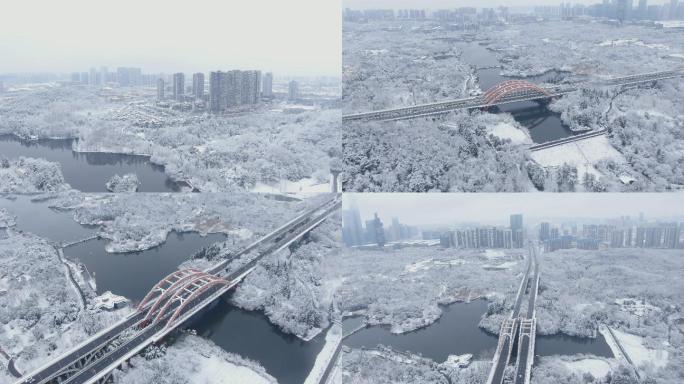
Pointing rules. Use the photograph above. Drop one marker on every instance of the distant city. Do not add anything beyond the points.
(619, 10)
(625, 233)
(226, 89)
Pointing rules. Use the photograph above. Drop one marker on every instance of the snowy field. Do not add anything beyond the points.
(195, 360)
(639, 353)
(582, 154)
(598, 368)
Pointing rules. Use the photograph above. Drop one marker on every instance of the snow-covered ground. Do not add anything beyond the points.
(7, 219)
(43, 315)
(582, 154)
(384, 366)
(192, 359)
(211, 152)
(397, 287)
(325, 357)
(510, 132)
(134, 222)
(29, 175)
(598, 368)
(639, 353)
(295, 289)
(125, 183)
(301, 189)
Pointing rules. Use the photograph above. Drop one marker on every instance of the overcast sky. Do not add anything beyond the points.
(436, 4)
(297, 37)
(495, 208)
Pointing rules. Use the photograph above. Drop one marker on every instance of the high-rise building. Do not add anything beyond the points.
(673, 9)
(544, 231)
(233, 88)
(85, 78)
(250, 84)
(178, 85)
(352, 232)
(293, 90)
(624, 9)
(516, 222)
(642, 10)
(379, 231)
(160, 89)
(104, 75)
(267, 85)
(92, 77)
(129, 77)
(198, 85)
(215, 92)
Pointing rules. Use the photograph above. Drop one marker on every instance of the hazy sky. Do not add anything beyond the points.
(435, 4)
(298, 37)
(492, 208)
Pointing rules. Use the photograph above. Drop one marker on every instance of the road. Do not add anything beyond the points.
(526, 338)
(443, 107)
(104, 341)
(566, 140)
(496, 375)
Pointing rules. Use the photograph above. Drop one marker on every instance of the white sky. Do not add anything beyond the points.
(289, 37)
(450, 208)
(436, 4)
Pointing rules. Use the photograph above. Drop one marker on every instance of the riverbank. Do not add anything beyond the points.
(212, 153)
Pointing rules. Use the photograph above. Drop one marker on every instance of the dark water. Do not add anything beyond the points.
(561, 344)
(133, 274)
(39, 219)
(88, 172)
(456, 332)
(543, 124)
(251, 335)
(246, 333)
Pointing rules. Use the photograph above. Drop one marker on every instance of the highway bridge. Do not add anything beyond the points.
(171, 303)
(511, 91)
(518, 325)
(527, 333)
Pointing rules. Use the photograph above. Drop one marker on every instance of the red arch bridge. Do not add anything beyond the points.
(171, 303)
(511, 91)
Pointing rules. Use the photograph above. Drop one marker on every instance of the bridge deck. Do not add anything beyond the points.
(522, 93)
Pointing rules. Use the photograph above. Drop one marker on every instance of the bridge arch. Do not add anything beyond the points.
(194, 295)
(182, 295)
(167, 296)
(166, 283)
(512, 88)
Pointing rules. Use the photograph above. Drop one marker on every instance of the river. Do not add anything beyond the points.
(456, 332)
(543, 124)
(247, 333)
(88, 172)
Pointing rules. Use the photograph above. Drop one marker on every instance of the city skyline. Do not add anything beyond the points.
(492, 208)
(278, 37)
(448, 4)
